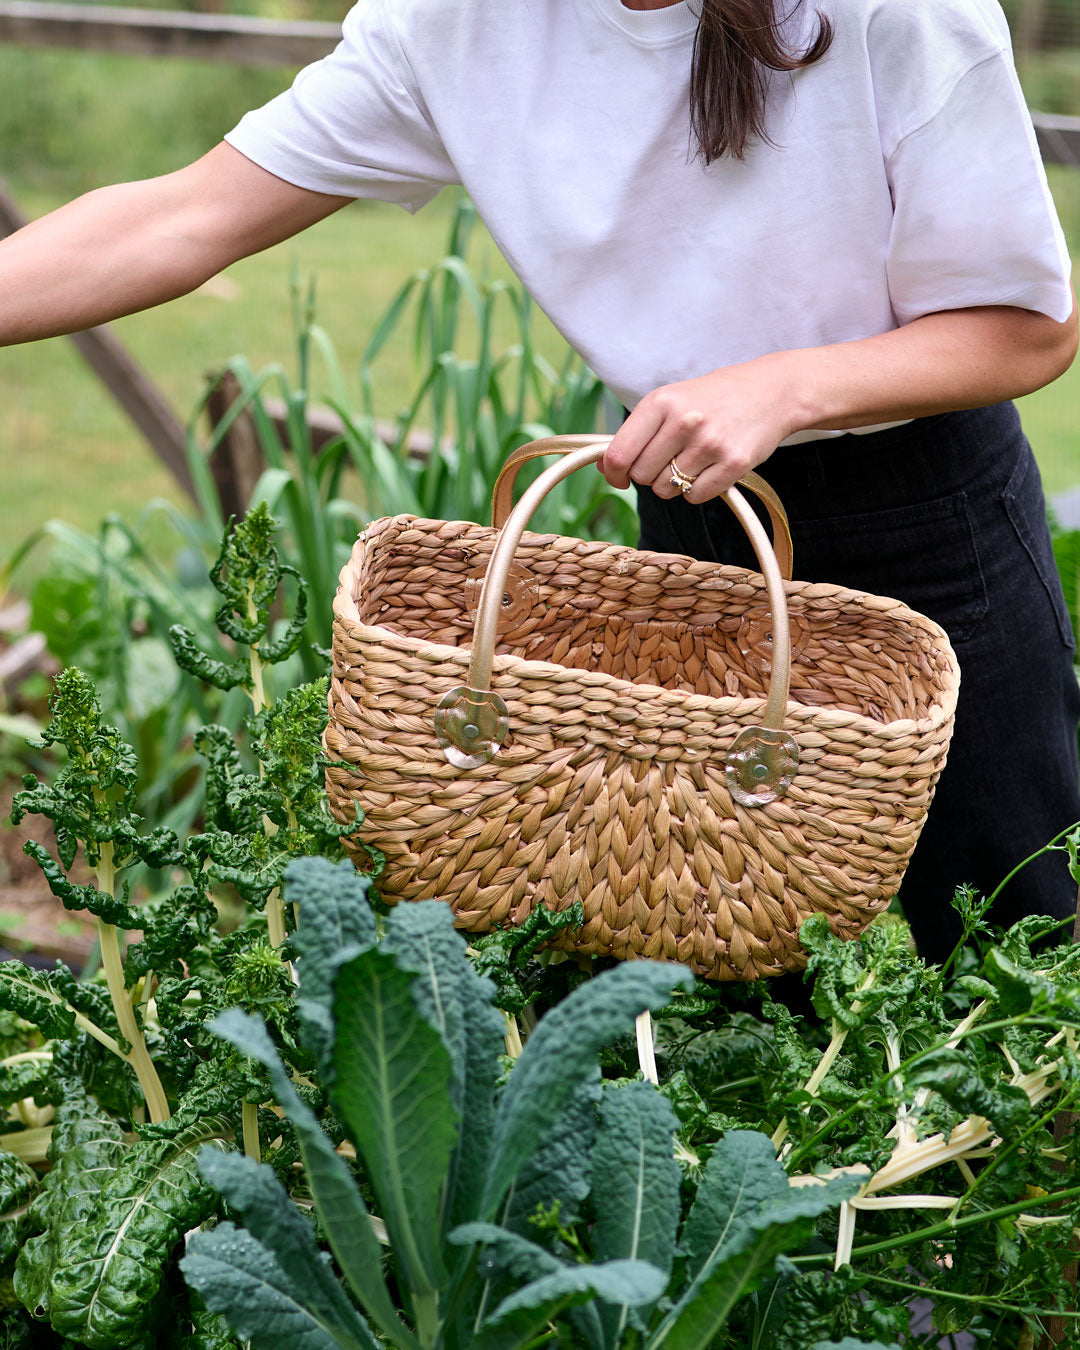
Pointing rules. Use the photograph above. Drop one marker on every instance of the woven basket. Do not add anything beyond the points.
(703, 756)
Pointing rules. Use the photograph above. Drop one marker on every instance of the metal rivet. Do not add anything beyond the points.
(471, 731)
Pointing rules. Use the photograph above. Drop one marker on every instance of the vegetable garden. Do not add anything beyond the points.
(270, 1110)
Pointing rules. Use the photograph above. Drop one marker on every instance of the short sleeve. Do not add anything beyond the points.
(353, 123)
(974, 222)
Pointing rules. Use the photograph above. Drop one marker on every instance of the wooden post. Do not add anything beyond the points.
(124, 378)
(237, 460)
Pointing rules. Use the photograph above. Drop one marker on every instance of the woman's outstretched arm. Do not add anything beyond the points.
(125, 248)
(725, 423)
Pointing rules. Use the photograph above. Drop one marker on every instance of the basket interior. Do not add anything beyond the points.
(650, 618)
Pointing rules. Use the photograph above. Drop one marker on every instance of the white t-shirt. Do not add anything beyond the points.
(904, 178)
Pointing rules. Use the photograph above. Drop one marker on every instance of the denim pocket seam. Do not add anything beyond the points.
(1009, 499)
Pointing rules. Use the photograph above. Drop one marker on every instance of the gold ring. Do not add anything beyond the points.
(678, 479)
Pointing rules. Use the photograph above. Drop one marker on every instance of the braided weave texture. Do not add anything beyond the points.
(627, 675)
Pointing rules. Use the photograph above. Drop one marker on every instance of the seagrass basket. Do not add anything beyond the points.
(702, 755)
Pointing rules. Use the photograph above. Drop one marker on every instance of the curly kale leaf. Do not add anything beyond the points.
(209, 1331)
(53, 1002)
(259, 822)
(190, 657)
(28, 1075)
(956, 1079)
(248, 575)
(174, 925)
(504, 956)
(91, 800)
(109, 908)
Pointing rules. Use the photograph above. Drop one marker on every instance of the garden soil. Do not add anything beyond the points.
(34, 925)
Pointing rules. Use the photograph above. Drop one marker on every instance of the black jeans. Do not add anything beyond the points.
(947, 515)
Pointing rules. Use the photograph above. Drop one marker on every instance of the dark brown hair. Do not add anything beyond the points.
(738, 44)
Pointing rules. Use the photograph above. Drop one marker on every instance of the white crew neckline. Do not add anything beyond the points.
(650, 27)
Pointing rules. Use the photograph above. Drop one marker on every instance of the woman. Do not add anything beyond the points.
(762, 228)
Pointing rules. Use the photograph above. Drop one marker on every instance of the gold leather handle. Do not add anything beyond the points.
(502, 499)
(471, 721)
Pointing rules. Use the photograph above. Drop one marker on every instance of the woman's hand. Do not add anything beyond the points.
(719, 426)
(715, 428)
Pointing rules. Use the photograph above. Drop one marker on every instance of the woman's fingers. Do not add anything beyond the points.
(713, 429)
(629, 442)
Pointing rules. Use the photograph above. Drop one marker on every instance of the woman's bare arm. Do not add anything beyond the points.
(125, 248)
(722, 424)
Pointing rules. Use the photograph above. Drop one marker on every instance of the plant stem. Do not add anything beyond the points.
(275, 918)
(839, 1036)
(937, 1230)
(139, 1057)
(30, 1146)
(512, 1036)
(249, 1114)
(1020, 866)
(981, 1299)
(26, 1057)
(275, 908)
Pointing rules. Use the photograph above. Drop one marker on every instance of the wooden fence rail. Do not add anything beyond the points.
(235, 38)
(243, 41)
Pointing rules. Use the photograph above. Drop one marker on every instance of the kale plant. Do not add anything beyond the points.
(480, 1179)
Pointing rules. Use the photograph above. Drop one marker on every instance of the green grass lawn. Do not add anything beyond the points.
(66, 450)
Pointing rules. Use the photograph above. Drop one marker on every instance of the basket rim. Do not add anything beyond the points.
(943, 707)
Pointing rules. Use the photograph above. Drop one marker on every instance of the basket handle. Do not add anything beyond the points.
(471, 721)
(502, 499)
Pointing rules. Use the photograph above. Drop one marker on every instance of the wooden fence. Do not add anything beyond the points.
(234, 38)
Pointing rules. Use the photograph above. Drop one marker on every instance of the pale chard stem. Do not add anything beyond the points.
(26, 1057)
(905, 1133)
(259, 700)
(646, 1048)
(139, 1057)
(102, 1037)
(275, 908)
(512, 1037)
(249, 1114)
(290, 816)
(828, 1059)
(31, 1146)
(275, 918)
